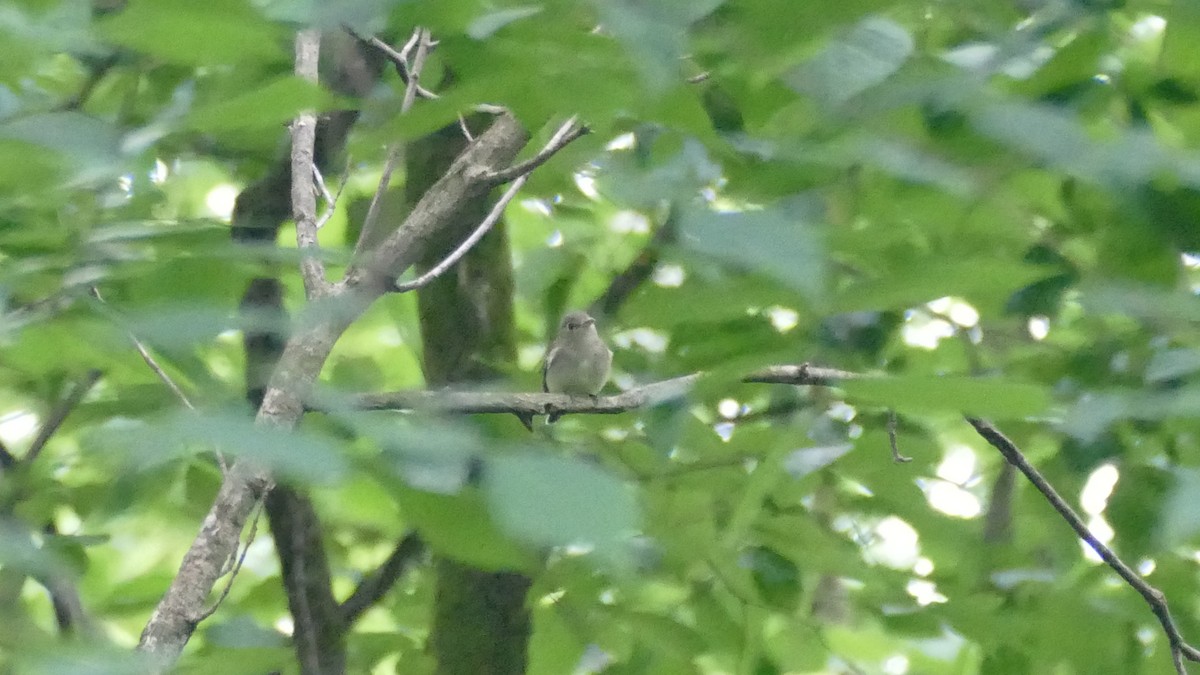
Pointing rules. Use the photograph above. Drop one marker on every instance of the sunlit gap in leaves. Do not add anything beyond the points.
(1038, 327)
(18, 427)
(669, 275)
(896, 664)
(160, 172)
(950, 494)
(629, 222)
(894, 543)
(1093, 499)
(925, 327)
(219, 200)
(1147, 28)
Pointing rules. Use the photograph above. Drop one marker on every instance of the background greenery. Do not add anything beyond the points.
(993, 202)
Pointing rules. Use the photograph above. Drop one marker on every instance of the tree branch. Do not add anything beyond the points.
(1180, 649)
(565, 134)
(171, 624)
(370, 222)
(413, 83)
(464, 181)
(538, 403)
(153, 364)
(304, 198)
(568, 132)
(632, 277)
(59, 414)
(399, 59)
(375, 585)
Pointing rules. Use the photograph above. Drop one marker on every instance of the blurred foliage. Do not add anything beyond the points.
(996, 204)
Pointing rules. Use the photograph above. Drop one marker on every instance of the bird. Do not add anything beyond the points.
(577, 362)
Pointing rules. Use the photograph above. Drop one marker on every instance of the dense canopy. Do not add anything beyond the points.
(901, 295)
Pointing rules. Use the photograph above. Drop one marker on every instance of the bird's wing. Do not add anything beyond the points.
(546, 367)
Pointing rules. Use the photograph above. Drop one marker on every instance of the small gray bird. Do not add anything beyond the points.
(578, 361)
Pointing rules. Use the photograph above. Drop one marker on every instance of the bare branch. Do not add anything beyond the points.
(462, 182)
(462, 124)
(399, 59)
(473, 402)
(330, 201)
(154, 367)
(803, 374)
(375, 585)
(308, 346)
(490, 220)
(304, 201)
(421, 39)
(367, 235)
(233, 572)
(522, 403)
(632, 277)
(568, 132)
(1180, 649)
(173, 622)
(414, 74)
(891, 431)
(59, 414)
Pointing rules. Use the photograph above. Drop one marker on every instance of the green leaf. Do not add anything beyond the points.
(1093, 413)
(268, 107)
(776, 577)
(1000, 399)
(187, 33)
(781, 241)
(556, 501)
(981, 281)
(293, 454)
(88, 145)
(870, 53)
(1170, 364)
(483, 26)
(461, 527)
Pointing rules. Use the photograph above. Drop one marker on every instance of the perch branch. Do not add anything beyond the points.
(521, 403)
(304, 195)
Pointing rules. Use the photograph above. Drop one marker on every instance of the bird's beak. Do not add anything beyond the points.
(589, 321)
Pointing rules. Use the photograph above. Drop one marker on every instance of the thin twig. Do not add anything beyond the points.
(1180, 649)
(568, 132)
(399, 59)
(162, 376)
(59, 414)
(154, 367)
(304, 200)
(372, 219)
(376, 584)
(462, 124)
(414, 73)
(367, 236)
(330, 201)
(204, 614)
(891, 432)
(639, 270)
